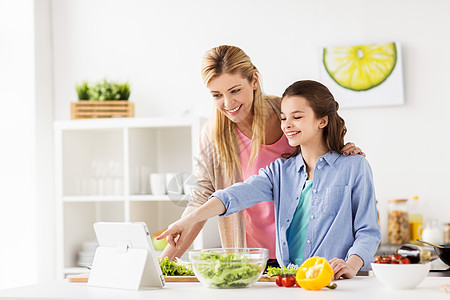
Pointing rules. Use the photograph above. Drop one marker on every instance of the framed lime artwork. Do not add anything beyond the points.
(363, 75)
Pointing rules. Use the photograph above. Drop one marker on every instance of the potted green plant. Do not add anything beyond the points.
(102, 99)
(103, 91)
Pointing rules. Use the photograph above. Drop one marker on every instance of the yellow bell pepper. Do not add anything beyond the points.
(314, 274)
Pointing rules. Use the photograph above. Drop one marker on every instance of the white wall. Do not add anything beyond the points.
(26, 173)
(18, 251)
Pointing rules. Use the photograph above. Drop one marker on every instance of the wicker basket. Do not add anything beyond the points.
(85, 109)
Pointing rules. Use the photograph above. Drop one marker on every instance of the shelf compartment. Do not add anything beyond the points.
(79, 218)
(157, 150)
(92, 162)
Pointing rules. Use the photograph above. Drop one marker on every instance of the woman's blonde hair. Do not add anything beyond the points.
(232, 60)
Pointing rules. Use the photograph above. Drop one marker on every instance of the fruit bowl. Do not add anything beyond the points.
(400, 276)
(228, 267)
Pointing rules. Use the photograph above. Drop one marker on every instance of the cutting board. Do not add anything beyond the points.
(79, 278)
(263, 278)
(180, 279)
(85, 276)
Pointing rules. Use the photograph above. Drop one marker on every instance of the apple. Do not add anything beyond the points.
(159, 245)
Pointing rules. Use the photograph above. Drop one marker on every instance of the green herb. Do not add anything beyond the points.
(227, 270)
(103, 91)
(283, 271)
(171, 268)
(82, 91)
(124, 90)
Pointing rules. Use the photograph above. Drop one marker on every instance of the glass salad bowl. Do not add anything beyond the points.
(228, 267)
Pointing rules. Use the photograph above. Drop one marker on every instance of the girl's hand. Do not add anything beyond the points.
(346, 269)
(351, 149)
(172, 253)
(176, 232)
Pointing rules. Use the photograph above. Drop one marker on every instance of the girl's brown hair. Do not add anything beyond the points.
(323, 104)
(232, 60)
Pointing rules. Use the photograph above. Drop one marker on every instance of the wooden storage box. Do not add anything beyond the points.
(86, 109)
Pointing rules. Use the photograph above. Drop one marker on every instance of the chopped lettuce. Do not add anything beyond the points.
(178, 268)
(283, 271)
(227, 270)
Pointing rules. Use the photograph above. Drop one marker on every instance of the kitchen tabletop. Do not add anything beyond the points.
(360, 287)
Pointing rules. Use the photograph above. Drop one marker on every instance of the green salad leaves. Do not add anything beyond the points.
(283, 271)
(227, 270)
(171, 268)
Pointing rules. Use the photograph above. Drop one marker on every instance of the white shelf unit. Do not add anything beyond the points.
(132, 148)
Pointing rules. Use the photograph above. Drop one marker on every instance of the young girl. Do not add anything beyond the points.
(324, 202)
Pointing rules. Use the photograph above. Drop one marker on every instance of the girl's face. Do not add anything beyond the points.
(233, 96)
(299, 123)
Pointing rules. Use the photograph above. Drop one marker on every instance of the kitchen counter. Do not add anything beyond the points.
(360, 287)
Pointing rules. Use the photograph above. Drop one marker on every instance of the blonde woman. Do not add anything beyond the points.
(243, 136)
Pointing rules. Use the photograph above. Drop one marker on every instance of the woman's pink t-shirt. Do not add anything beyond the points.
(260, 218)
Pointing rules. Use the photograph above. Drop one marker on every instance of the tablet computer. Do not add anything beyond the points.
(125, 257)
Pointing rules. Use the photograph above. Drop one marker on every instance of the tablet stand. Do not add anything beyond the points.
(120, 267)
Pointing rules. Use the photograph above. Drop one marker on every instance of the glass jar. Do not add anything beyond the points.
(447, 233)
(398, 222)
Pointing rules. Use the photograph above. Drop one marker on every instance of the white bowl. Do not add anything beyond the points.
(399, 276)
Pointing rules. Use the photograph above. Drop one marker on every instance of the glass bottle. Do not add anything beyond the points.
(398, 222)
(415, 219)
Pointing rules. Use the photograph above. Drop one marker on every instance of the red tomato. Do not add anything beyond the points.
(405, 260)
(386, 260)
(396, 256)
(278, 281)
(288, 281)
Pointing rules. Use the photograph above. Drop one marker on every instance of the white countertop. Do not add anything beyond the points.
(363, 287)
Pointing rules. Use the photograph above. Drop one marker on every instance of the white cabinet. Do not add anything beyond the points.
(102, 174)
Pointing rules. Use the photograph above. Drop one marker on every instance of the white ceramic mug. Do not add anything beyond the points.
(158, 184)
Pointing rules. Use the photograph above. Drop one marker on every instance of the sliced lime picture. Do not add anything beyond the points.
(360, 68)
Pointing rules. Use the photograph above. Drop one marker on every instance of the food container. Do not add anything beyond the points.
(432, 232)
(398, 222)
(447, 233)
(228, 267)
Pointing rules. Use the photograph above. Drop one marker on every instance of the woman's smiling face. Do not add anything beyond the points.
(233, 96)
